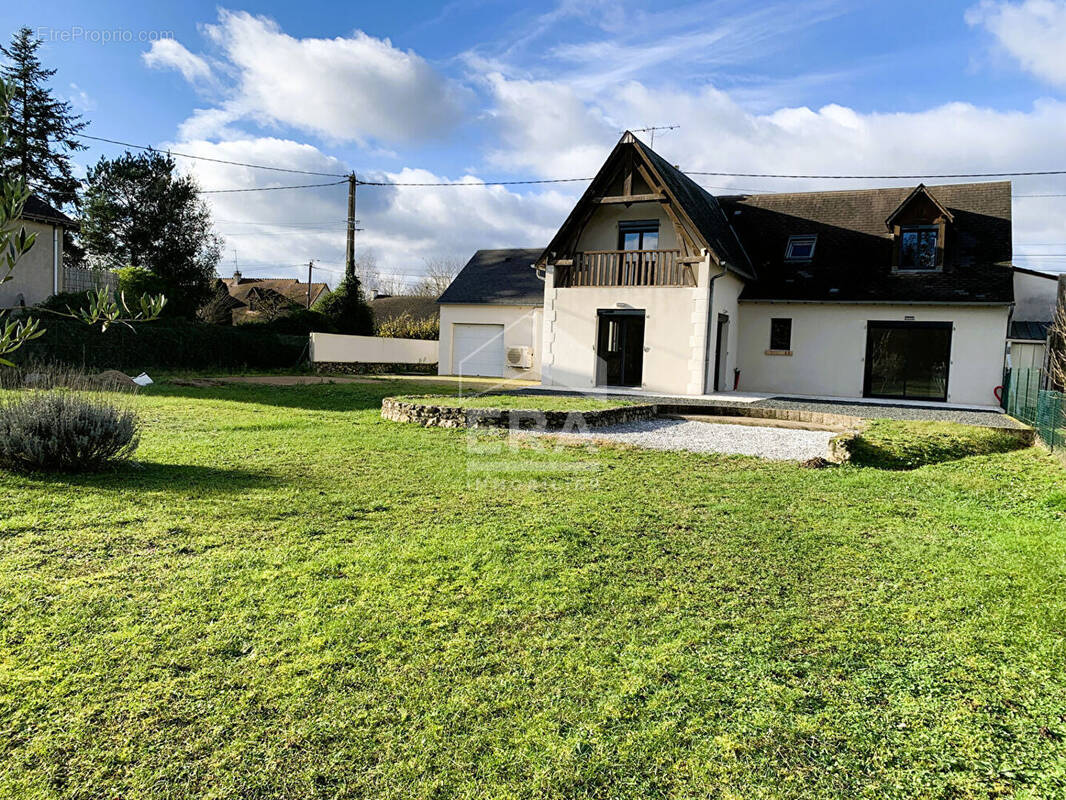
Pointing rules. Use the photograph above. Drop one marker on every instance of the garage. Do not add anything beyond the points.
(477, 349)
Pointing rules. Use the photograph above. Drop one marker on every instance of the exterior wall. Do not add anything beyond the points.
(673, 347)
(1026, 355)
(337, 348)
(1034, 297)
(724, 294)
(521, 328)
(34, 278)
(829, 348)
(601, 233)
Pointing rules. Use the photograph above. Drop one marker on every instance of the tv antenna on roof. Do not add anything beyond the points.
(651, 129)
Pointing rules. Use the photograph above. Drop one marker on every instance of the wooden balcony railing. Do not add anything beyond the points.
(625, 268)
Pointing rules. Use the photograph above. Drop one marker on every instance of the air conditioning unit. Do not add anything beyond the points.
(520, 357)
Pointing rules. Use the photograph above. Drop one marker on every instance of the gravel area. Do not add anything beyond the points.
(779, 444)
(990, 418)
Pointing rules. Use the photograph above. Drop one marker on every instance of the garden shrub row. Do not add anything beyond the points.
(164, 344)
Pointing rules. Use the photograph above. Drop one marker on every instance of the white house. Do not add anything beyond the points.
(653, 283)
(39, 273)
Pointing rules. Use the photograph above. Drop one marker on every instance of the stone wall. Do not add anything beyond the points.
(356, 368)
(456, 417)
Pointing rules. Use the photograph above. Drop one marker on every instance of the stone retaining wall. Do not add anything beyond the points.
(519, 419)
(358, 368)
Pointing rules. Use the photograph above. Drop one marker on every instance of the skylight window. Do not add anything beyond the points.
(800, 248)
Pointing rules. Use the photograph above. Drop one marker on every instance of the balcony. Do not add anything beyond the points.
(625, 268)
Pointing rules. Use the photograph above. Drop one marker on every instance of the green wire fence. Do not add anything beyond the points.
(1026, 399)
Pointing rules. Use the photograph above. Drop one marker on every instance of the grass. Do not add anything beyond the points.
(543, 402)
(291, 598)
(894, 444)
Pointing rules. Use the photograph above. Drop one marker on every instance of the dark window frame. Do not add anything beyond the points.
(776, 335)
(638, 226)
(867, 378)
(938, 246)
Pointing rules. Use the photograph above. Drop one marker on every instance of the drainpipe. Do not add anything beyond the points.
(55, 259)
(708, 362)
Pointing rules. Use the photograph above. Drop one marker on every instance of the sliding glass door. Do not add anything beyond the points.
(907, 360)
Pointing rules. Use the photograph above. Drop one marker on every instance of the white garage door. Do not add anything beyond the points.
(477, 349)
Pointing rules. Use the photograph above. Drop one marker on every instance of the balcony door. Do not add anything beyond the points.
(635, 238)
(907, 360)
(620, 347)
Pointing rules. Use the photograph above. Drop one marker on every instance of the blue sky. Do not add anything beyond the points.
(473, 90)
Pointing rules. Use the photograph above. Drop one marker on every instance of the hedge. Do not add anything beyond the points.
(163, 344)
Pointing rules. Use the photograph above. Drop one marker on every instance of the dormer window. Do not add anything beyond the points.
(800, 248)
(918, 248)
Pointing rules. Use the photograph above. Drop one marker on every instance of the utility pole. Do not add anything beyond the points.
(310, 266)
(349, 251)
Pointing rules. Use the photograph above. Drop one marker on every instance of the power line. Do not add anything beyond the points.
(881, 177)
(468, 183)
(271, 188)
(215, 160)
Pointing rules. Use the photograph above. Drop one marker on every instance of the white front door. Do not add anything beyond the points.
(477, 349)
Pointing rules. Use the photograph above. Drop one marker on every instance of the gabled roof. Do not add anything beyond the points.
(288, 288)
(38, 210)
(853, 257)
(499, 277)
(693, 204)
(919, 190)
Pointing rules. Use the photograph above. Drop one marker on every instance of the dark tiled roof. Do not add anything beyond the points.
(703, 209)
(38, 209)
(853, 256)
(288, 288)
(386, 308)
(1036, 331)
(501, 277)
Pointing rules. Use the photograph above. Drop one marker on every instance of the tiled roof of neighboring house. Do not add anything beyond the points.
(1034, 331)
(288, 288)
(500, 277)
(703, 209)
(853, 254)
(391, 306)
(40, 211)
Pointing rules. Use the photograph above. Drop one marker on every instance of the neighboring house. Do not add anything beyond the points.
(39, 274)
(1035, 295)
(490, 316)
(265, 298)
(388, 307)
(653, 283)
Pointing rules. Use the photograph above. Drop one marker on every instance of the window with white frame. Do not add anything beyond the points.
(801, 248)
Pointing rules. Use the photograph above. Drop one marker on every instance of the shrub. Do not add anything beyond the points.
(169, 344)
(405, 326)
(64, 431)
(64, 301)
(300, 322)
(347, 309)
(136, 281)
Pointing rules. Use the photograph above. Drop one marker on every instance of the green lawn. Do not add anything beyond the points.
(290, 597)
(541, 402)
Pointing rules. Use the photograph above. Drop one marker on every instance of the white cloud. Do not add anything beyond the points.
(277, 232)
(1033, 32)
(347, 89)
(171, 54)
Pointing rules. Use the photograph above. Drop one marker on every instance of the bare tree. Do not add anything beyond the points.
(439, 271)
(1056, 342)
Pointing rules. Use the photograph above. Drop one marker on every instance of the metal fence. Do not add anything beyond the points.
(80, 279)
(1026, 398)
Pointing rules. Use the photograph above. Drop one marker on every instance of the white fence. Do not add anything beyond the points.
(337, 348)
